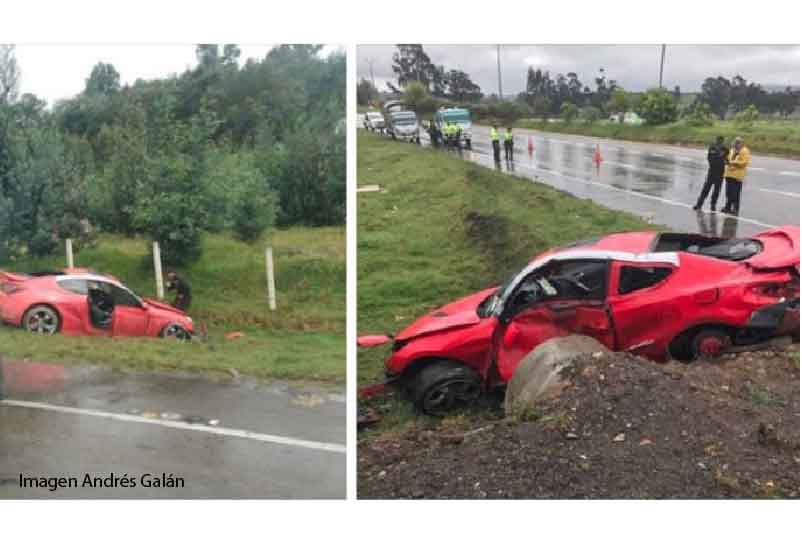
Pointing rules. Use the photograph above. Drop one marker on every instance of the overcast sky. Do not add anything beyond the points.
(55, 72)
(635, 67)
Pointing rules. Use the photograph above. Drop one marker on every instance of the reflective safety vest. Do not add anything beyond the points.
(493, 134)
(507, 136)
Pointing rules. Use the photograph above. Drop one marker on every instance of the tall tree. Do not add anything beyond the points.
(9, 75)
(104, 80)
(411, 63)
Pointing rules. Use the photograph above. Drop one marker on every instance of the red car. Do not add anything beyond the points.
(658, 295)
(81, 302)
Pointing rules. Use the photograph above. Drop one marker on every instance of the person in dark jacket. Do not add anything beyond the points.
(183, 292)
(716, 160)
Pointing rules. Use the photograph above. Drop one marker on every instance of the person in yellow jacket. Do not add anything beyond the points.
(496, 146)
(738, 159)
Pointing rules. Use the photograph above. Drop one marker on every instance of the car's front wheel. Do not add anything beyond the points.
(41, 319)
(443, 387)
(175, 331)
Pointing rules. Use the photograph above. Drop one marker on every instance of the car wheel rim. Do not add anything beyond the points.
(711, 346)
(42, 321)
(175, 332)
(445, 396)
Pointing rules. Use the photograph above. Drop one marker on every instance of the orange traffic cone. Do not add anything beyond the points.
(530, 146)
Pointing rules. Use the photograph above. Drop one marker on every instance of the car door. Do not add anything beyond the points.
(77, 306)
(566, 297)
(639, 305)
(130, 317)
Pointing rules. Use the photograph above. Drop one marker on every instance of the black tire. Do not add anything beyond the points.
(442, 387)
(467, 144)
(41, 319)
(175, 331)
(709, 343)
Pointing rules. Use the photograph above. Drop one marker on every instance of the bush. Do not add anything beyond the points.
(657, 106)
(591, 114)
(43, 243)
(698, 115)
(747, 117)
(569, 111)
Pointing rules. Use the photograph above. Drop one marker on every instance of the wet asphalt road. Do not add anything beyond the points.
(227, 439)
(658, 182)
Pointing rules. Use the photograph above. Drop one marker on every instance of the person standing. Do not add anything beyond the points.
(716, 161)
(734, 174)
(496, 147)
(183, 292)
(508, 144)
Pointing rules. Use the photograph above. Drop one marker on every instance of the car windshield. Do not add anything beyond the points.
(405, 121)
(457, 116)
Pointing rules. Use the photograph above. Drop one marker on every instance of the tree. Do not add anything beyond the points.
(747, 117)
(104, 80)
(366, 93)
(460, 87)
(657, 106)
(698, 115)
(619, 103)
(541, 107)
(569, 111)
(411, 63)
(9, 75)
(415, 95)
(591, 114)
(716, 94)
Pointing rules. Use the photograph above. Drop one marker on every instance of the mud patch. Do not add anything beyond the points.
(623, 428)
(496, 238)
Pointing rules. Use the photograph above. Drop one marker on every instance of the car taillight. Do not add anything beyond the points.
(777, 290)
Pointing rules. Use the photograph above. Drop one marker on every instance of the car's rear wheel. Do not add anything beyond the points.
(443, 387)
(42, 319)
(175, 331)
(710, 343)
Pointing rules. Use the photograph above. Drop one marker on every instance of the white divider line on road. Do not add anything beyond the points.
(230, 432)
(789, 173)
(791, 194)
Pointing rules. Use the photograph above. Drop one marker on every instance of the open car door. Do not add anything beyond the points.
(564, 298)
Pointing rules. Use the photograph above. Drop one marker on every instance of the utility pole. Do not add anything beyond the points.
(662, 62)
(370, 65)
(498, 63)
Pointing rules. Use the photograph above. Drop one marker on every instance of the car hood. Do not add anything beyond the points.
(780, 249)
(460, 313)
(164, 306)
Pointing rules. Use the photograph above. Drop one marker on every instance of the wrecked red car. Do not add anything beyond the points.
(81, 302)
(658, 295)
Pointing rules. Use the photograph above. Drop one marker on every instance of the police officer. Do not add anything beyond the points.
(494, 140)
(183, 296)
(716, 160)
(508, 144)
(737, 162)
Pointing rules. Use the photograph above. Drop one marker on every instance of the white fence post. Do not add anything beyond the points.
(271, 282)
(157, 266)
(70, 259)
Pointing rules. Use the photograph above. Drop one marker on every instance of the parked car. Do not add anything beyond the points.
(374, 121)
(403, 126)
(82, 302)
(658, 295)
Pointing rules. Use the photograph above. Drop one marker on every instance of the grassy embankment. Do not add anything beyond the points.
(444, 228)
(304, 339)
(771, 137)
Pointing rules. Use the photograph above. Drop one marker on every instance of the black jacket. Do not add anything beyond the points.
(717, 159)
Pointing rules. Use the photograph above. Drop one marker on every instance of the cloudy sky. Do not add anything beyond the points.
(636, 67)
(55, 72)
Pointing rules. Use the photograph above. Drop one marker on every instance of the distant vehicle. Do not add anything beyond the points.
(455, 115)
(392, 106)
(403, 125)
(657, 295)
(374, 121)
(82, 302)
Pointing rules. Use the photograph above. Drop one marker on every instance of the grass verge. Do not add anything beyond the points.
(303, 339)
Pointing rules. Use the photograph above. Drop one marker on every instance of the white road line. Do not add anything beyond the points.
(779, 192)
(789, 173)
(231, 432)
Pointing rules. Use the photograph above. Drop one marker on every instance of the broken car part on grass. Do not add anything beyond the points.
(656, 295)
(82, 302)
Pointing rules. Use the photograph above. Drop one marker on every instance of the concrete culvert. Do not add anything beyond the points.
(538, 374)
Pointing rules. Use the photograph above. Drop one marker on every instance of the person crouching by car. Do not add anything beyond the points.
(183, 292)
(734, 174)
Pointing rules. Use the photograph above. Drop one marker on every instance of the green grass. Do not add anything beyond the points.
(444, 228)
(775, 137)
(303, 339)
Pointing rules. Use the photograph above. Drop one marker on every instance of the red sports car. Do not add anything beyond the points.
(81, 302)
(658, 295)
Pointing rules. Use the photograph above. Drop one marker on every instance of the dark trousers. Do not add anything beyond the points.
(508, 150)
(496, 151)
(712, 181)
(733, 195)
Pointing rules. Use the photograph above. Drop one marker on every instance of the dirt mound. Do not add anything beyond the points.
(622, 428)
